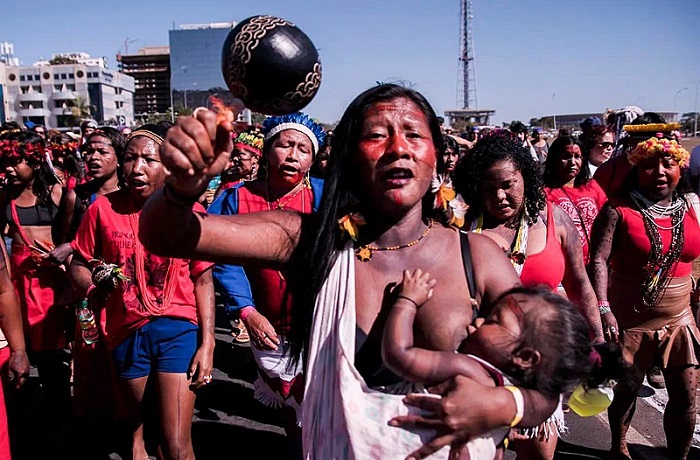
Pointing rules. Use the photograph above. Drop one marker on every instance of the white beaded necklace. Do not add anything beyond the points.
(656, 211)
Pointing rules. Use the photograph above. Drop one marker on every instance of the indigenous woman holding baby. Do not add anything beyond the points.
(384, 157)
(643, 244)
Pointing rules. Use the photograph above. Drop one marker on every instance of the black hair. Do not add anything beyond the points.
(518, 128)
(551, 168)
(10, 126)
(449, 142)
(324, 153)
(496, 147)
(115, 138)
(43, 178)
(118, 141)
(317, 251)
(648, 118)
(562, 336)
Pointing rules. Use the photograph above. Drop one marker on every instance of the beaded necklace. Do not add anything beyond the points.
(518, 249)
(281, 204)
(659, 266)
(655, 211)
(364, 253)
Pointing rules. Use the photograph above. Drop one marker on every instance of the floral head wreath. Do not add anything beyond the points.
(251, 141)
(60, 151)
(659, 146)
(14, 150)
(299, 122)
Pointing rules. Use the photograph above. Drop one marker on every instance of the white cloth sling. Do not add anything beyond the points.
(341, 417)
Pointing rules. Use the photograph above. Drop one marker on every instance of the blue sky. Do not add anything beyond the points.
(532, 57)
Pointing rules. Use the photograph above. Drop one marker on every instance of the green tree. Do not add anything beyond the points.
(80, 109)
(58, 60)
(687, 122)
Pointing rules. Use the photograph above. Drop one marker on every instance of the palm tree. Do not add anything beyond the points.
(81, 109)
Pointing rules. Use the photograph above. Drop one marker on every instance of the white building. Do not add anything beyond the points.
(45, 94)
(80, 58)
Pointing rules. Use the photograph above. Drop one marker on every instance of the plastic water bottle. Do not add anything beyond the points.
(87, 323)
(587, 403)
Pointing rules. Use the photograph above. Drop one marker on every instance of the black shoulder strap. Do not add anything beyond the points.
(469, 270)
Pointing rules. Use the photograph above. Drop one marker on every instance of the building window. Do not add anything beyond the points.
(70, 75)
(63, 76)
(12, 77)
(24, 89)
(46, 75)
(55, 76)
(22, 78)
(80, 74)
(32, 105)
(70, 87)
(37, 89)
(64, 121)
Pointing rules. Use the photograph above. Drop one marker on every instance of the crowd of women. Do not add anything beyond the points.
(356, 262)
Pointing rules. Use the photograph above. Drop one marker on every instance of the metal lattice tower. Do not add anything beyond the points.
(466, 88)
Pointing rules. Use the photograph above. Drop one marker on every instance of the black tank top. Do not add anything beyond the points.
(39, 215)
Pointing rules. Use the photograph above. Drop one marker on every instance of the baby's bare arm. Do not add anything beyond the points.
(413, 363)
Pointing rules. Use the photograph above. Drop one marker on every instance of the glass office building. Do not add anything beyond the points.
(195, 56)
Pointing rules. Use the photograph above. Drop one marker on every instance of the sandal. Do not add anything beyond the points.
(239, 332)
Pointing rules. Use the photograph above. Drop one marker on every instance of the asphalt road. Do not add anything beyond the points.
(228, 423)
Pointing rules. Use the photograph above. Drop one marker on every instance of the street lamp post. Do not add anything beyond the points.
(172, 106)
(695, 128)
(554, 113)
(675, 98)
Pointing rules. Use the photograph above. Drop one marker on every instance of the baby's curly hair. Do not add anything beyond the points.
(496, 147)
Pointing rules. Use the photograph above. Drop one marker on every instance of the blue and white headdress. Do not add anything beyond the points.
(297, 121)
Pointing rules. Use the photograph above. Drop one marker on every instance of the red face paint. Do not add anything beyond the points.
(395, 156)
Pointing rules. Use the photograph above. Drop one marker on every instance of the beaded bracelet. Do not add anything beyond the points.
(519, 404)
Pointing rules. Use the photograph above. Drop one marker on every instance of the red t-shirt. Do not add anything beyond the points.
(582, 204)
(108, 232)
(269, 287)
(611, 175)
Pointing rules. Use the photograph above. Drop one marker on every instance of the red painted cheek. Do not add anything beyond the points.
(371, 150)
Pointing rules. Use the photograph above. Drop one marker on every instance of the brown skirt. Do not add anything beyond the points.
(666, 333)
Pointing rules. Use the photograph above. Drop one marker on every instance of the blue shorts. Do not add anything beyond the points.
(163, 345)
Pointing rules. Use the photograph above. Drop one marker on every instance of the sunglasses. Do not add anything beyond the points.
(606, 145)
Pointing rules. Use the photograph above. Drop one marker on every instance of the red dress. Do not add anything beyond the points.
(44, 293)
(582, 204)
(269, 287)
